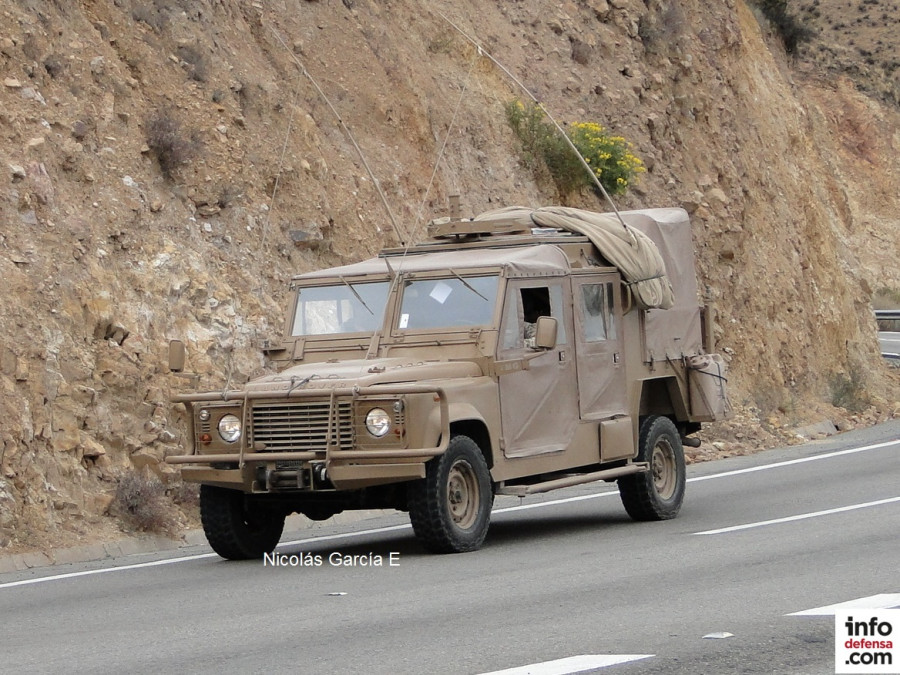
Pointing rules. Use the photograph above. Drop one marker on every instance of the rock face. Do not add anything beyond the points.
(165, 169)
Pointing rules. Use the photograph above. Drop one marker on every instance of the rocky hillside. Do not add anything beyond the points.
(166, 166)
(855, 39)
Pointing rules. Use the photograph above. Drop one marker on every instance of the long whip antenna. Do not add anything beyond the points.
(419, 220)
(397, 231)
(565, 136)
(284, 145)
(462, 94)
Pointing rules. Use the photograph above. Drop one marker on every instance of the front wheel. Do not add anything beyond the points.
(450, 509)
(657, 494)
(235, 529)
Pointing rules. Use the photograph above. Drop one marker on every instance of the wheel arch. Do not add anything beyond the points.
(662, 396)
(477, 430)
(466, 420)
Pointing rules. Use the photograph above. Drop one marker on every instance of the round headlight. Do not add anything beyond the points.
(229, 428)
(378, 422)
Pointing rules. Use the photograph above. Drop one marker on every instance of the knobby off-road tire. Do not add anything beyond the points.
(450, 509)
(235, 531)
(657, 494)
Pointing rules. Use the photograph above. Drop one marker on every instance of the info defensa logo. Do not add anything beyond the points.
(866, 641)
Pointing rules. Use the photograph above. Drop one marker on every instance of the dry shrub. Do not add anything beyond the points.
(170, 143)
(199, 69)
(141, 502)
(184, 494)
(849, 391)
(788, 27)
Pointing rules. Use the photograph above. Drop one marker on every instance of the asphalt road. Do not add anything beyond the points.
(564, 575)
(890, 343)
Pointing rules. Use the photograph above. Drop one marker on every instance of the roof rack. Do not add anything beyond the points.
(444, 228)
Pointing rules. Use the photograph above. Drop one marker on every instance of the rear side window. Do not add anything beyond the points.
(597, 306)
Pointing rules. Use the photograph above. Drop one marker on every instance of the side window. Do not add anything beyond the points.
(513, 334)
(599, 317)
(557, 312)
(524, 306)
(535, 303)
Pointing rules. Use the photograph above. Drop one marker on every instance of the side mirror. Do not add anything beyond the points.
(545, 332)
(176, 356)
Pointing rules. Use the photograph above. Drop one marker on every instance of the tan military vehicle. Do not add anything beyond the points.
(510, 354)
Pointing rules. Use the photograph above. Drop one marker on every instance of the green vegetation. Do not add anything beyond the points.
(544, 149)
(886, 298)
(849, 391)
(791, 31)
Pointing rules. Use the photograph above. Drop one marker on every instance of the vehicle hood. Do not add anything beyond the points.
(360, 372)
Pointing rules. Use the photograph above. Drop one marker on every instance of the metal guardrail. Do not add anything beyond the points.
(884, 318)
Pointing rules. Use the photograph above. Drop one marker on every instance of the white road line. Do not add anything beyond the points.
(778, 465)
(882, 601)
(172, 561)
(566, 500)
(802, 516)
(572, 664)
(396, 528)
(310, 540)
(87, 573)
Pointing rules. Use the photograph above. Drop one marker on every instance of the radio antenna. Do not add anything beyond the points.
(565, 136)
(400, 235)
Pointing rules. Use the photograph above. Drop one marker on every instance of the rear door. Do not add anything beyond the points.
(601, 363)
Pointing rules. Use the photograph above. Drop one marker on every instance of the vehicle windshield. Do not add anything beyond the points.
(448, 303)
(345, 307)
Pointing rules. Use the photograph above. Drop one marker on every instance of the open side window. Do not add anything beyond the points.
(524, 304)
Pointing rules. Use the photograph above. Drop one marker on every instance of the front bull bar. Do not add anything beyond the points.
(258, 454)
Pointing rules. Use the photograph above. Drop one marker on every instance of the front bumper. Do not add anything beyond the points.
(336, 462)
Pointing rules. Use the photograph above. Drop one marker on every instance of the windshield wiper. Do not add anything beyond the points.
(468, 285)
(358, 296)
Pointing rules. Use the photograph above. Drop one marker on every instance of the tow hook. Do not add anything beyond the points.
(320, 473)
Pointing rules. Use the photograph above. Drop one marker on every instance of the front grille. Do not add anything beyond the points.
(291, 426)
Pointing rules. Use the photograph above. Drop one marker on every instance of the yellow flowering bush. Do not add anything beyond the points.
(609, 157)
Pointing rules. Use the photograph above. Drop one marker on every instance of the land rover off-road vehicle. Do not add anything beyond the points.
(510, 354)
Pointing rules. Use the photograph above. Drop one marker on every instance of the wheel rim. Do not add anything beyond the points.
(662, 466)
(462, 494)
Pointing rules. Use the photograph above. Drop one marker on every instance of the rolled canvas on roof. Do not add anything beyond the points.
(626, 247)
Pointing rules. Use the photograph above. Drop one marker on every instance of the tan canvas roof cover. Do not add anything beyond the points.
(626, 247)
(544, 260)
(675, 331)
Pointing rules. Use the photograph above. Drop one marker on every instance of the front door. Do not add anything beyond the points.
(538, 405)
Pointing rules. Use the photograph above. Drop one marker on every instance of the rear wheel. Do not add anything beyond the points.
(658, 493)
(450, 509)
(235, 529)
